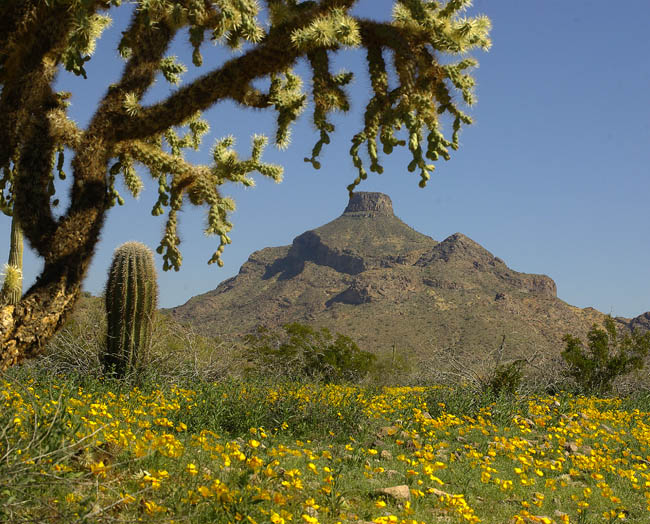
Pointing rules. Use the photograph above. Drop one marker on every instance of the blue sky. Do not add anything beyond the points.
(553, 177)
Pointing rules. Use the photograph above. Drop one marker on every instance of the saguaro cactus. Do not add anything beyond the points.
(131, 298)
(12, 287)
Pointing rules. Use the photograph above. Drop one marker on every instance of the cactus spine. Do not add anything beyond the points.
(12, 287)
(131, 298)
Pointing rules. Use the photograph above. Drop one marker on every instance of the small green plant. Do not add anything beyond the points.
(131, 297)
(302, 351)
(392, 368)
(610, 354)
(496, 378)
(505, 378)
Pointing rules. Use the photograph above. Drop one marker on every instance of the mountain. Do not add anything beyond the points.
(369, 275)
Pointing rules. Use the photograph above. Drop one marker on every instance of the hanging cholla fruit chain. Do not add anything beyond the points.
(131, 299)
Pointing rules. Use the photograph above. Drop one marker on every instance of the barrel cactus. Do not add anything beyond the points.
(131, 298)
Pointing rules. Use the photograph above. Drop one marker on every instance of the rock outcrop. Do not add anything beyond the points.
(642, 322)
(369, 204)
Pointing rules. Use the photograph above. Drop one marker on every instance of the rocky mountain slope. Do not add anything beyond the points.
(369, 275)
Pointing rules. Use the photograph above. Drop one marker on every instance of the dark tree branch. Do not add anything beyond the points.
(89, 200)
(251, 97)
(13, 18)
(232, 80)
(139, 74)
(385, 34)
(24, 46)
(274, 54)
(27, 101)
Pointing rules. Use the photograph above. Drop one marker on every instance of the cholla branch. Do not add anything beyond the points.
(64, 131)
(275, 53)
(40, 38)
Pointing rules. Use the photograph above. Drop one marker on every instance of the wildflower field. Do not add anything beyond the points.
(80, 449)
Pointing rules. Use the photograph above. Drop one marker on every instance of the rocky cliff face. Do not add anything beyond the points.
(366, 236)
(369, 205)
(369, 275)
(642, 322)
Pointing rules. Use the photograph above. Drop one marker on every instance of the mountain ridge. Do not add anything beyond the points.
(371, 276)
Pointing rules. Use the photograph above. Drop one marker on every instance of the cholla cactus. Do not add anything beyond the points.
(131, 297)
(39, 39)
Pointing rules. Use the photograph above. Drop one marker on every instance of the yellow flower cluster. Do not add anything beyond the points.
(139, 455)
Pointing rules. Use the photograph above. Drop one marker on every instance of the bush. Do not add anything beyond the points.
(78, 345)
(505, 378)
(610, 354)
(391, 369)
(177, 352)
(301, 351)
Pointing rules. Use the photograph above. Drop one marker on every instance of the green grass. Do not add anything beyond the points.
(77, 448)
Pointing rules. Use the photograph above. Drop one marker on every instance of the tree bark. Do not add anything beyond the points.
(68, 252)
(26, 327)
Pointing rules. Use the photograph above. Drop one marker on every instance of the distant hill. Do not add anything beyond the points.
(369, 275)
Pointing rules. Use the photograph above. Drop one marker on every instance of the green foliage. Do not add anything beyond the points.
(81, 40)
(221, 407)
(391, 369)
(332, 29)
(301, 351)
(423, 93)
(505, 378)
(131, 297)
(171, 69)
(609, 354)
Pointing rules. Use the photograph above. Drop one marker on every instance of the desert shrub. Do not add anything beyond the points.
(78, 345)
(299, 350)
(609, 354)
(177, 351)
(391, 369)
(495, 373)
(505, 378)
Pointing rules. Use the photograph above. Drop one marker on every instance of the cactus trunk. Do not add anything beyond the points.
(131, 298)
(12, 287)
